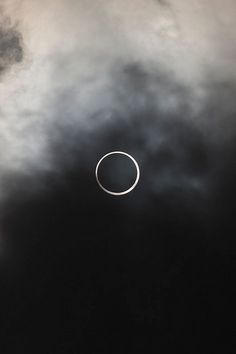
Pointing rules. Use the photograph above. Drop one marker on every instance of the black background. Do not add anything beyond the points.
(87, 272)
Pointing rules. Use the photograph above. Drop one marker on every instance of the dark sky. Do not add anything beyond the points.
(82, 271)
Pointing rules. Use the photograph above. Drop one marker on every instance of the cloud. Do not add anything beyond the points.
(11, 45)
(152, 92)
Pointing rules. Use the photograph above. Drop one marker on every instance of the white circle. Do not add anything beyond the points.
(127, 190)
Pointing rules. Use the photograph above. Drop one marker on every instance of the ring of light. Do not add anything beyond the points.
(127, 190)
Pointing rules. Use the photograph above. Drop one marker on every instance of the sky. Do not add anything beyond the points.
(81, 78)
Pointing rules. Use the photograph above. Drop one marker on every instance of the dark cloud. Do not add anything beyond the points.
(163, 2)
(11, 45)
(149, 115)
